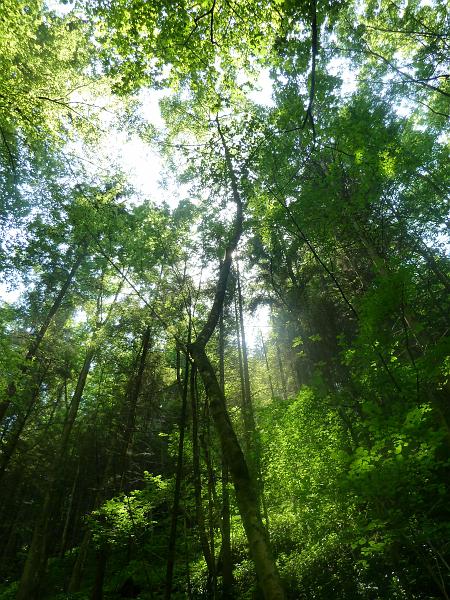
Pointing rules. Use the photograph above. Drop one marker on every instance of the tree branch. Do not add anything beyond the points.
(314, 50)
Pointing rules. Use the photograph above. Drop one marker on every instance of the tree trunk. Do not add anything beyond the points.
(34, 346)
(37, 555)
(247, 408)
(75, 578)
(68, 518)
(241, 370)
(266, 360)
(225, 549)
(100, 570)
(281, 369)
(200, 515)
(13, 441)
(131, 407)
(246, 492)
(75, 403)
(205, 442)
(179, 476)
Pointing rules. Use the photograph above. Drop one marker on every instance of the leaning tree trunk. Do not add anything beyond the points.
(13, 440)
(246, 490)
(245, 486)
(39, 336)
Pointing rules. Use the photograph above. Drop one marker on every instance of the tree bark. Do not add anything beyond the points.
(225, 549)
(178, 479)
(200, 515)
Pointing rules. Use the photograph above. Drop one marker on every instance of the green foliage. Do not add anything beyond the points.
(343, 179)
(129, 516)
(354, 511)
(43, 60)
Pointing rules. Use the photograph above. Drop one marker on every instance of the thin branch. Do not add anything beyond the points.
(403, 32)
(9, 151)
(211, 24)
(314, 51)
(406, 75)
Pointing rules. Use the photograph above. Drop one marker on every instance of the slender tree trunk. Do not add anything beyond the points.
(75, 578)
(132, 405)
(281, 369)
(205, 442)
(200, 515)
(13, 441)
(266, 360)
(212, 502)
(249, 420)
(69, 514)
(241, 370)
(34, 347)
(100, 570)
(76, 399)
(225, 550)
(178, 479)
(187, 555)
